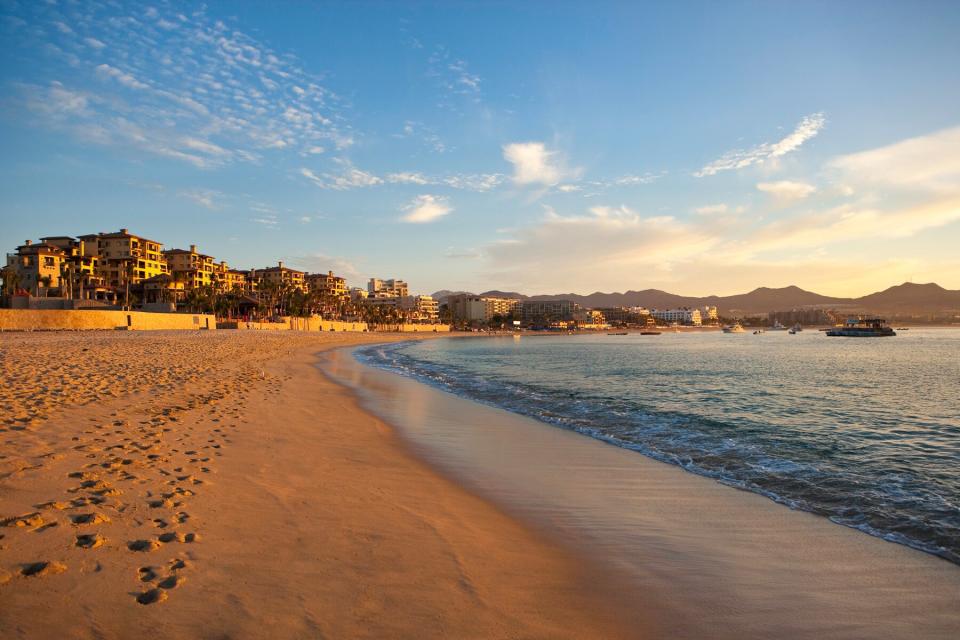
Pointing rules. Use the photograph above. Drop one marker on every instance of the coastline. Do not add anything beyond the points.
(253, 498)
(710, 560)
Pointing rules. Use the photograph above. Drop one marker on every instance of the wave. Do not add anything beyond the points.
(811, 474)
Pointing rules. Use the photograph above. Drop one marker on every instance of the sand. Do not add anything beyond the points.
(704, 560)
(171, 485)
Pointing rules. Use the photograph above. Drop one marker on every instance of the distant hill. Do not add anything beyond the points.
(908, 297)
(904, 298)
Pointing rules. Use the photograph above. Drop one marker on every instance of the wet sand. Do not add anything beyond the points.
(183, 485)
(704, 560)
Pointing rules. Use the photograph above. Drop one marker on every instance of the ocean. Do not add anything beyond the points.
(865, 432)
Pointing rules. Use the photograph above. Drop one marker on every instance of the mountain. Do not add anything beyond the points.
(904, 298)
(908, 297)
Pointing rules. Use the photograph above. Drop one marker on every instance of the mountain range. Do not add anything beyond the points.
(906, 298)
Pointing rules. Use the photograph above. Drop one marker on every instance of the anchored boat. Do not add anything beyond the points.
(734, 328)
(863, 328)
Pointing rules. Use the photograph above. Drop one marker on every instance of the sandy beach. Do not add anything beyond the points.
(183, 485)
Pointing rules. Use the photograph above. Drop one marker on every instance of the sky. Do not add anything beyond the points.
(541, 147)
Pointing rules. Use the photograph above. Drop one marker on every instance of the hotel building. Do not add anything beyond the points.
(377, 288)
(195, 270)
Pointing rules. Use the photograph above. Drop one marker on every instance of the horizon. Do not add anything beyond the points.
(709, 295)
(701, 149)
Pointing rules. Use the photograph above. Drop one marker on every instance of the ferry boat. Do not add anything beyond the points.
(863, 328)
(734, 328)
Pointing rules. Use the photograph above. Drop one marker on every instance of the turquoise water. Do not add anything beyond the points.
(865, 432)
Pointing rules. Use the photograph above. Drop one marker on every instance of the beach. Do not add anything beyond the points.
(221, 484)
(182, 485)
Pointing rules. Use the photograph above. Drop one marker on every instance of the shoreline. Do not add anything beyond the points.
(250, 496)
(701, 551)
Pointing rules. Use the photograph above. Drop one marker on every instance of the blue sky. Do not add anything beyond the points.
(541, 147)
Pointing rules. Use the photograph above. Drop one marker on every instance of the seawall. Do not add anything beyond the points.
(59, 320)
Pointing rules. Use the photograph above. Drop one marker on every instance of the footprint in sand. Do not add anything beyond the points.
(89, 518)
(171, 582)
(143, 545)
(152, 596)
(147, 574)
(26, 520)
(89, 540)
(40, 569)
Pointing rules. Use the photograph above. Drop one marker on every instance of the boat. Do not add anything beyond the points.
(758, 332)
(736, 327)
(796, 328)
(777, 326)
(863, 328)
(903, 328)
(623, 333)
(649, 333)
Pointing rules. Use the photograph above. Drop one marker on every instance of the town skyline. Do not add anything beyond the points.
(413, 146)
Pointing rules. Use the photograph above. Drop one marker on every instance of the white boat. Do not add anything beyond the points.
(777, 326)
(796, 328)
(736, 327)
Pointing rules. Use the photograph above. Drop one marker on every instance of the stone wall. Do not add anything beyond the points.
(55, 320)
(316, 324)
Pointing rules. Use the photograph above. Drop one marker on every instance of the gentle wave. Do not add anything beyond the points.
(861, 478)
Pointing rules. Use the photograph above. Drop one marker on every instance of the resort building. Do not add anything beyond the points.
(125, 258)
(195, 270)
(80, 272)
(358, 294)
(328, 285)
(36, 267)
(281, 277)
(422, 308)
(226, 279)
(709, 314)
(679, 316)
(625, 316)
(546, 312)
(378, 288)
(469, 308)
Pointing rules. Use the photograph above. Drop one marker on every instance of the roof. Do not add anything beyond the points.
(119, 234)
(35, 248)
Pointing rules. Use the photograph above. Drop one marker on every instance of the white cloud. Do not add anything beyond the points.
(712, 209)
(809, 127)
(533, 163)
(787, 189)
(195, 77)
(407, 177)
(349, 178)
(207, 198)
(426, 208)
(127, 80)
(930, 162)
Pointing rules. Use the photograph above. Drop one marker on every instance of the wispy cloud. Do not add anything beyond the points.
(787, 189)
(426, 208)
(927, 163)
(205, 93)
(352, 178)
(712, 209)
(454, 77)
(349, 178)
(809, 127)
(427, 136)
(207, 198)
